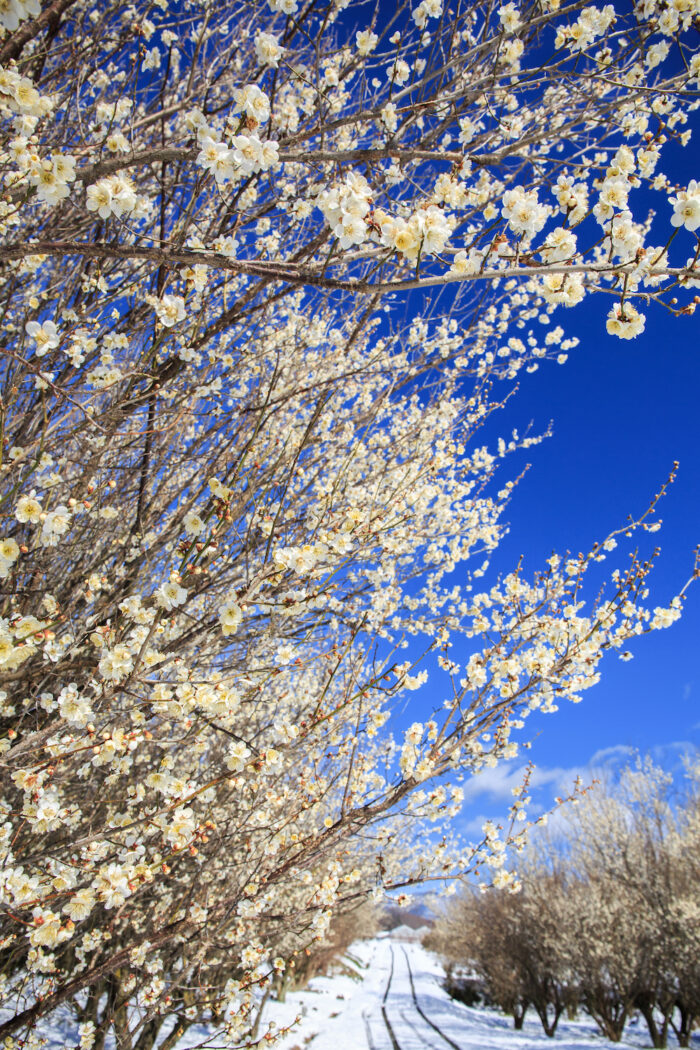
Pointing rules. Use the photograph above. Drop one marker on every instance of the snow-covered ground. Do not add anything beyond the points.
(341, 1014)
(381, 1008)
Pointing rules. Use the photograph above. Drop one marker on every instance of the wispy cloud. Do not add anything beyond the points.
(611, 756)
(492, 789)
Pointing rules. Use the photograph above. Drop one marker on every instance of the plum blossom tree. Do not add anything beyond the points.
(607, 918)
(636, 843)
(245, 505)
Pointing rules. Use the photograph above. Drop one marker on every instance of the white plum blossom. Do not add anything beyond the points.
(152, 58)
(268, 49)
(55, 524)
(692, 266)
(114, 195)
(591, 23)
(399, 72)
(217, 158)
(73, 707)
(246, 155)
(626, 321)
(218, 489)
(181, 826)
(346, 208)
(509, 17)
(566, 289)
(170, 310)
(253, 102)
(194, 526)
(366, 41)
(237, 756)
(52, 177)
(28, 509)
(230, 617)
(686, 207)
(523, 211)
(12, 12)
(466, 264)
(117, 663)
(435, 228)
(251, 155)
(425, 10)
(170, 595)
(46, 336)
(251, 485)
(415, 681)
(48, 929)
(80, 904)
(9, 553)
(426, 231)
(409, 751)
(664, 617)
(558, 245)
(301, 560)
(111, 886)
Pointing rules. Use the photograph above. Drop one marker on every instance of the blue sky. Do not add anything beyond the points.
(622, 413)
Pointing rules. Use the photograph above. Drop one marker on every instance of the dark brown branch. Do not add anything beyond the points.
(48, 18)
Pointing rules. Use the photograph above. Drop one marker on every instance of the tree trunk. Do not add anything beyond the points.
(175, 1035)
(89, 1011)
(256, 1027)
(658, 1035)
(519, 1016)
(610, 1018)
(146, 1040)
(48, 18)
(120, 1016)
(281, 986)
(685, 1028)
(549, 1027)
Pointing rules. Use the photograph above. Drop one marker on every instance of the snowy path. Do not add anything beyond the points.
(384, 1013)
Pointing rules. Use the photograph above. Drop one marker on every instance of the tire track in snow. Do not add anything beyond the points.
(387, 1022)
(436, 1028)
(414, 1020)
(368, 1030)
(409, 1019)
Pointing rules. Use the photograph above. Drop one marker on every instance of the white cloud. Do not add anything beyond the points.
(497, 783)
(610, 756)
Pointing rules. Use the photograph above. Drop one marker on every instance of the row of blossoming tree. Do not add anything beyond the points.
(607, 917)
(266, 270)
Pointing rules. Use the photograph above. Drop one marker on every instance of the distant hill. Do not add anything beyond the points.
(419, 916)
